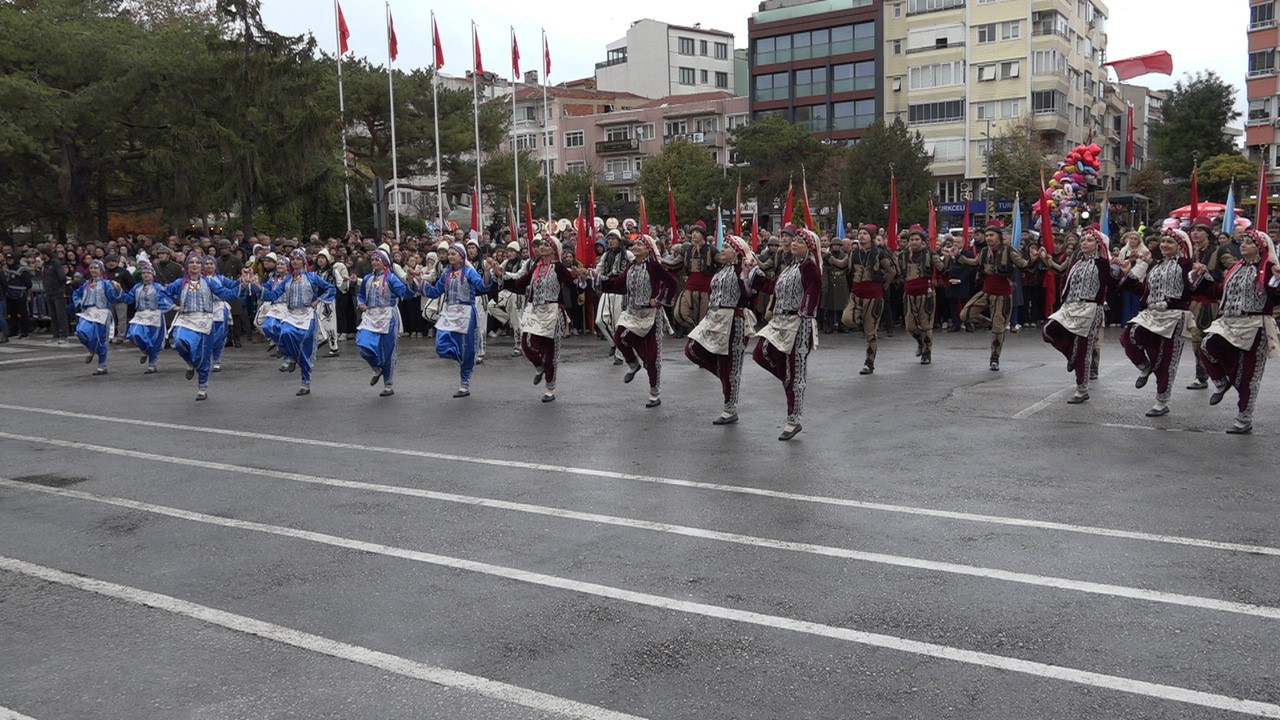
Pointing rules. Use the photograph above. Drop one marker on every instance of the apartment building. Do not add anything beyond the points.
(535, 128)
(818, 63)
(1262, 87)
(656, 60)
(961, 71)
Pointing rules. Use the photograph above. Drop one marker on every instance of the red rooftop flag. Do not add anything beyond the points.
(435, 39)
(1157, 62)
(393, 47)
(344, 34)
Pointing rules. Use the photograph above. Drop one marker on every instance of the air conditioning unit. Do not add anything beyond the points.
(699, 137)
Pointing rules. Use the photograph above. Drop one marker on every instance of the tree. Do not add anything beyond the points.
(697, 180)
(774, 151)
(1196, 113)
(885, 146)
(499, 180)
(568, 190)
(1019, 160)
(1220, 171)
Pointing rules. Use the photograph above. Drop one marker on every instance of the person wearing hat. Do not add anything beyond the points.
(221, 313)
(612, 262)
(1073, 328)
(1236, 345)
(996, 262)
(303, 292)
(122, 277)
(870, 268)
(327, 314)
(1214, 261)
(380, 320)
(919, 263)
(1153, 339)
(166, 269)
(697, 260)
(95, 299)
(458, 330)
(147, 328)
(774, 253)
(196, 296)
(645, 287)
(513, 302)
(783, 348)
(719, 342)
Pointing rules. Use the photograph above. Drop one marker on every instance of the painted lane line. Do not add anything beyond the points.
(8, 714)
(43, 358)
(1057, 397)
(1048, 581)
(675, 482)
(775, 622)
(465, 682)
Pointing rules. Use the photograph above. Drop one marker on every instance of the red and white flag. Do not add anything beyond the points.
(546, 56)
(344, 34)
(435, 40)
(1128, 137)
(1129, 68)
(478, 63)
(515, 55)
(393, 47)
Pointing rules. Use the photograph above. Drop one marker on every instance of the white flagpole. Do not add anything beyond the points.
(391, 90)
(435, 107)
(515, 150)
(342, 117)
(546, 166)
(475, 94)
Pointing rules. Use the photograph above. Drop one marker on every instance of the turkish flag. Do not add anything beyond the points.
(479, 64)
(392, 46)
(435, 39)
(933, 225)
(892, 232)
(1157, 62)
(515, 55)
(673, 229)
(1263, 197)
(644, 217)
(546, 57)
(344, 34)
(1128, 139)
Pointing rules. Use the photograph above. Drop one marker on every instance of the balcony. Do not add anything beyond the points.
(697, 138)
(614, 147)
(621, 176)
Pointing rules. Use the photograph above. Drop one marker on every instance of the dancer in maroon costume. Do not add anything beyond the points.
(645, 287)
(719, 342)
(785, 342)
(1073, 329)
(1153, 339)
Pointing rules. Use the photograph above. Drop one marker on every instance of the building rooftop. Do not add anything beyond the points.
(673, 100)
(775, 10)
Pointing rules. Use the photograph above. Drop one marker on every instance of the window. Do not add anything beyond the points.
(645, 132)
(546, 167)
(864, 36)
(998, 109)
(1010, 69)
(638, 163)
(706, 125)
(937, 112)
(920, 6)
(685, 46)
(987, 73)
(618, 132)
(617, 165)
(923, 77)
(853, 76)
(687, 76)
(702, 48)
(702, 76)
(1011, 30)
(528, 113)
(527, 142)
(897, 10)
(774, 86)
(624, 194)
(811, 82)
(575, 167)
(675, 127)
(986, 33)
(841, 39)
(811, 117)
(897, 47)
(1049, 22)
(722, 51)
(765, 51)
(1262, 15)
(936, 37)
(574, 139)
(1262, 62)
(1260, 110)
(549, 139)
(949, 191)
(722, 80)
(852, 115)
(1048, 62)
(734, 122)
(1044, 102)
(945, 149)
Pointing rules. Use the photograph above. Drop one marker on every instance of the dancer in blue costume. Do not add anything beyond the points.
(222, 315)
(302, 291)
(197, 298)
(150, 303)
(458, 331)
(96, 299)
(380, 323)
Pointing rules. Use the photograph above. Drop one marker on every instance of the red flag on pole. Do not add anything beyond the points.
(1046, 219)
(892, 232)
(546, 57)
(933, 225)
(511, 221)
(475, 210)
(790, 208)
(528, 214)
(755, 228)
(435, 39)
(344, 34)
(580, 227)
(1260, 223)
(1128, 138)
(1156, 62)
(808, 209)
(589, 255)
(737, 210)
(393, 47)
(1195, 192)
(515, 55)
(644, 216)
(674, 228)
(479, 63)
(965, 229)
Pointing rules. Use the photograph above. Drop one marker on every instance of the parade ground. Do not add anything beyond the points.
(940, 541)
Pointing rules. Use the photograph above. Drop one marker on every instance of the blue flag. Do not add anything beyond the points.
(1104, 220)
(839, 220)
(1229, 217)
(1017, 221)
(719, 229)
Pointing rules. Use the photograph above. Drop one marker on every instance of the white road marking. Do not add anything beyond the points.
(775, 622)
(675, 482)
(42, 358)
(8, 714)
(1057, 397)
(475, 684)
(1049, 581)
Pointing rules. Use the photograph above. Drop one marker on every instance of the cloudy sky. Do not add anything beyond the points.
(577, 31)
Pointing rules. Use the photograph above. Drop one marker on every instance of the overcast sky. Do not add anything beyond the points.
(1213, 36)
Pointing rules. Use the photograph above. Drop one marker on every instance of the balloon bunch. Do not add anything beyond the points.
(1070, 184)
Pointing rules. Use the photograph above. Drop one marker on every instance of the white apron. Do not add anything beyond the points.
(98, 316)
(781, 331)
(378, 319)
(197, 321)
(1163, 322)
(300, 318)
(1243, 330)
(1079, 318)
(148, 318)
(714, 330)
(637, 321)
(455, 318)
(540, 320)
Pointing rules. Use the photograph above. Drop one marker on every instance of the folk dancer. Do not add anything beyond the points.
(719, 342)
(1073, 328)
(783, 348)
(1154, 338)
(543, 323)
(870, 269)
(645, 287)
(222, 315)
(1236, 345)
(458, 329)
(697, 260)
(96, 299)
(302, 291)
(1204, 308)
(612, 263)
(918, 264)
(996, 262)
(377, 336)
(196, 298)
(337, 275)
(147, 328)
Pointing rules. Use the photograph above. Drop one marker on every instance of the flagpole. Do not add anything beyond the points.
(391, 91)
(435, 107)
(475, 96)
(515, 150)
(545, 112)
(342, 118)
